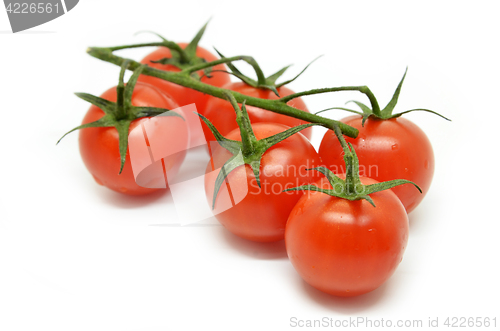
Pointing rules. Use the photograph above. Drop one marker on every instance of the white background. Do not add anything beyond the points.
(76, 256)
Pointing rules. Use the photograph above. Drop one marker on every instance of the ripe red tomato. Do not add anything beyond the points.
(262, 213)
(99, 146)
(387, 149)
(183, 95)
(343, 247)
(222, 115)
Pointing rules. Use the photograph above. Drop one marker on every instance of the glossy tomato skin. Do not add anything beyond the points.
(99, 147)
(183, 95)
(346, 248)
(262, 214)
(387, 150)
(222, 115)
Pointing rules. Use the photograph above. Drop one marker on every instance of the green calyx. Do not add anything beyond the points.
(121, 113)
(183, 58)
(387, 112)
(262, 81)
(247, 151)
(351, 188)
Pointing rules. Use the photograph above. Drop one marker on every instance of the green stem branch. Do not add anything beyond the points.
(247, 135)
(216, 62)
(182, 78)
(169, 44)
(363, 89)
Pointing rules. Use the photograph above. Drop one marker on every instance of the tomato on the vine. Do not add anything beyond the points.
(387, 149)
(99, 146)
(344, 247)
(262, 213)
(222, 115)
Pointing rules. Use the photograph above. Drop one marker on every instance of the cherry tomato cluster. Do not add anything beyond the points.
(342, 210)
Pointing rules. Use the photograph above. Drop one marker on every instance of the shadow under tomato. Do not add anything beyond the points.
(346, 305)
(420, 218)
(414, 218)
(130, 201)
(258, 250)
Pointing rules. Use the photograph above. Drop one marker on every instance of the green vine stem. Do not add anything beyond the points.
(363, 89)
(382, 114)
(262, 81)
(183, 78)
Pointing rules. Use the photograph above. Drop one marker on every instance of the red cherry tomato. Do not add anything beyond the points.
(222, 115)
(343, 247)
(99, 146)
(262, 213)
(183, 95)
(387, 149)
